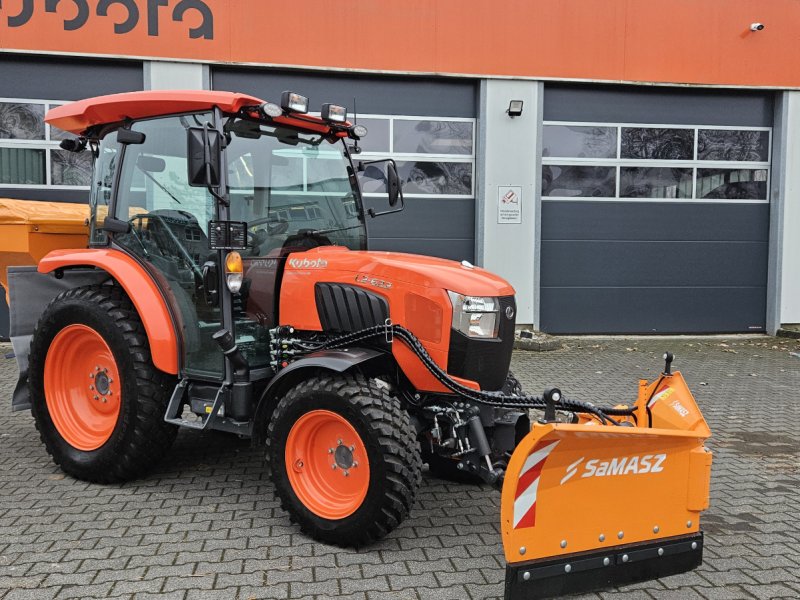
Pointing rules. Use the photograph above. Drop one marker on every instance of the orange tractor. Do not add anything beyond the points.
(227, 285)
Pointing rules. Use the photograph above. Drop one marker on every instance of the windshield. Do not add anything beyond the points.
(293, 190)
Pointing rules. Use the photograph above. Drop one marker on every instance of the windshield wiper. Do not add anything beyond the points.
(159, 184)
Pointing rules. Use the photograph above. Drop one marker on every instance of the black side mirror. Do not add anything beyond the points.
(203, 156)
(393, 186)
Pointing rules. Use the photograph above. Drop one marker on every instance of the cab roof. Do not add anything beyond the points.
(78, 117)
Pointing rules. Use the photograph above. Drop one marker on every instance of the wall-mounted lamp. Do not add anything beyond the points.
(756, 26)
(514, 108)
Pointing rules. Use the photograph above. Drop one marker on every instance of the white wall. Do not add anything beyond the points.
(164, 75)
(790, 263)
(507, 156)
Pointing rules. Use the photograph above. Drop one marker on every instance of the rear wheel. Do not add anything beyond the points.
(97, 399)
(344, 459)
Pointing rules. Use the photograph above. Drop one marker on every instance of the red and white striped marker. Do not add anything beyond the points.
(525, 498)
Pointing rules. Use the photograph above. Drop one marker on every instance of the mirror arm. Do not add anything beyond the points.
(371, 212)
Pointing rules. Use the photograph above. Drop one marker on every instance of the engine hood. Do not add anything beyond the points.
(397, 267)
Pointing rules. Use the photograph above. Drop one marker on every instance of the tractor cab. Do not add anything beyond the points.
(214, 198)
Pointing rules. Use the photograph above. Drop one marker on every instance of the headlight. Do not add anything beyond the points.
(475, 316)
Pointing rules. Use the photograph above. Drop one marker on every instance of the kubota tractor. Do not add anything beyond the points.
(227, 285)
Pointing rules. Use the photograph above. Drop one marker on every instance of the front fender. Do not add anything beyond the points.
(141, 289)
(337, 361)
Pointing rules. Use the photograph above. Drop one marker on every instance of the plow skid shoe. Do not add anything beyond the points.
(587, 506)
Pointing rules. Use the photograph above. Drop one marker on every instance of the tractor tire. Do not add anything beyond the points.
(344, 459)
(97, 400)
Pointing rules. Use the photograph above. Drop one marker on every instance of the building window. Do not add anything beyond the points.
(30, 156)
(435, 156)
(621, 161)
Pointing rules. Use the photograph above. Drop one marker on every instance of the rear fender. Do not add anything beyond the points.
(336, 361)
(141, 289)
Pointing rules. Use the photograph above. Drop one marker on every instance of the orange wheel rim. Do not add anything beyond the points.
(82, 387)
(327, 464)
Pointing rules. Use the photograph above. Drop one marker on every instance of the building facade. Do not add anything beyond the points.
(629, 167)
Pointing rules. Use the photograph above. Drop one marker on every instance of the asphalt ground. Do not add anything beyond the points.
(204, 523)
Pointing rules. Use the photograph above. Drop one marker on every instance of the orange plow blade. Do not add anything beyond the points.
(587, 505)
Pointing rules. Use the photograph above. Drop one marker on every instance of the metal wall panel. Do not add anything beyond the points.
(374, 94)
(617, 267)
(63, 78)
(653, 310)
(664, 105)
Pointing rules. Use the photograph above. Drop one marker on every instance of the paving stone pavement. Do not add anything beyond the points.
(205, 524)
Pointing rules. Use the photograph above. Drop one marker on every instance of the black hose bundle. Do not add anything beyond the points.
(498, 399)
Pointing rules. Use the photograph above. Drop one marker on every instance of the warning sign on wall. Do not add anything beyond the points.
(509, 204)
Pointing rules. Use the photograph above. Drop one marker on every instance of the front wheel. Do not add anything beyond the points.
(344, 459)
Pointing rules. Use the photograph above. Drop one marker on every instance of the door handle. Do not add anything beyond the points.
(211, 283)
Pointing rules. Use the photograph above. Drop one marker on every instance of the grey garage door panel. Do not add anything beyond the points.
(643, 264)
(454, 249)
(67, 78)
(49, 195)
(424, 217)
(640, 104)
(652, 310)
(602, 220)
(374, 94)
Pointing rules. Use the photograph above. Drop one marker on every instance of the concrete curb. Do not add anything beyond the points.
(788, 333)
(535, 341)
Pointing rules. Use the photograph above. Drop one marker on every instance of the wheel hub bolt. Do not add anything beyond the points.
(339, 442)
(91, 375)
(91, 387)
(352, 448)
(347, 473)
(299, 464)
(96, 397)
(330, 450)
(333, 466)
(105, 400)
(355, 464)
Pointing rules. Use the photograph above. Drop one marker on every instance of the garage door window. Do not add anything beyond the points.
(656, 163)
(29, 153)
(435, 156)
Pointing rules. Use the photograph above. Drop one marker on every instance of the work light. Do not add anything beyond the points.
(292, 102)
(359, 131)
(334, 113)
(271, 109)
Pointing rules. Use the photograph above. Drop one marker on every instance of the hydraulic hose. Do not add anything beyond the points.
(498, 399)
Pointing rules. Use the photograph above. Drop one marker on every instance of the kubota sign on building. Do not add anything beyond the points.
(675, 41)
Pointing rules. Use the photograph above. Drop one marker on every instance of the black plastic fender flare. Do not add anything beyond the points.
(335, 360)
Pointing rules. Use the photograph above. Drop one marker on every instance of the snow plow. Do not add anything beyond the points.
(227, 285)
(589, 505)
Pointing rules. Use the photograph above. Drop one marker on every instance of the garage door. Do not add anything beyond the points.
(655, 211)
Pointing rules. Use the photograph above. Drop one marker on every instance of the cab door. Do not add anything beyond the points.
(169, 234)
